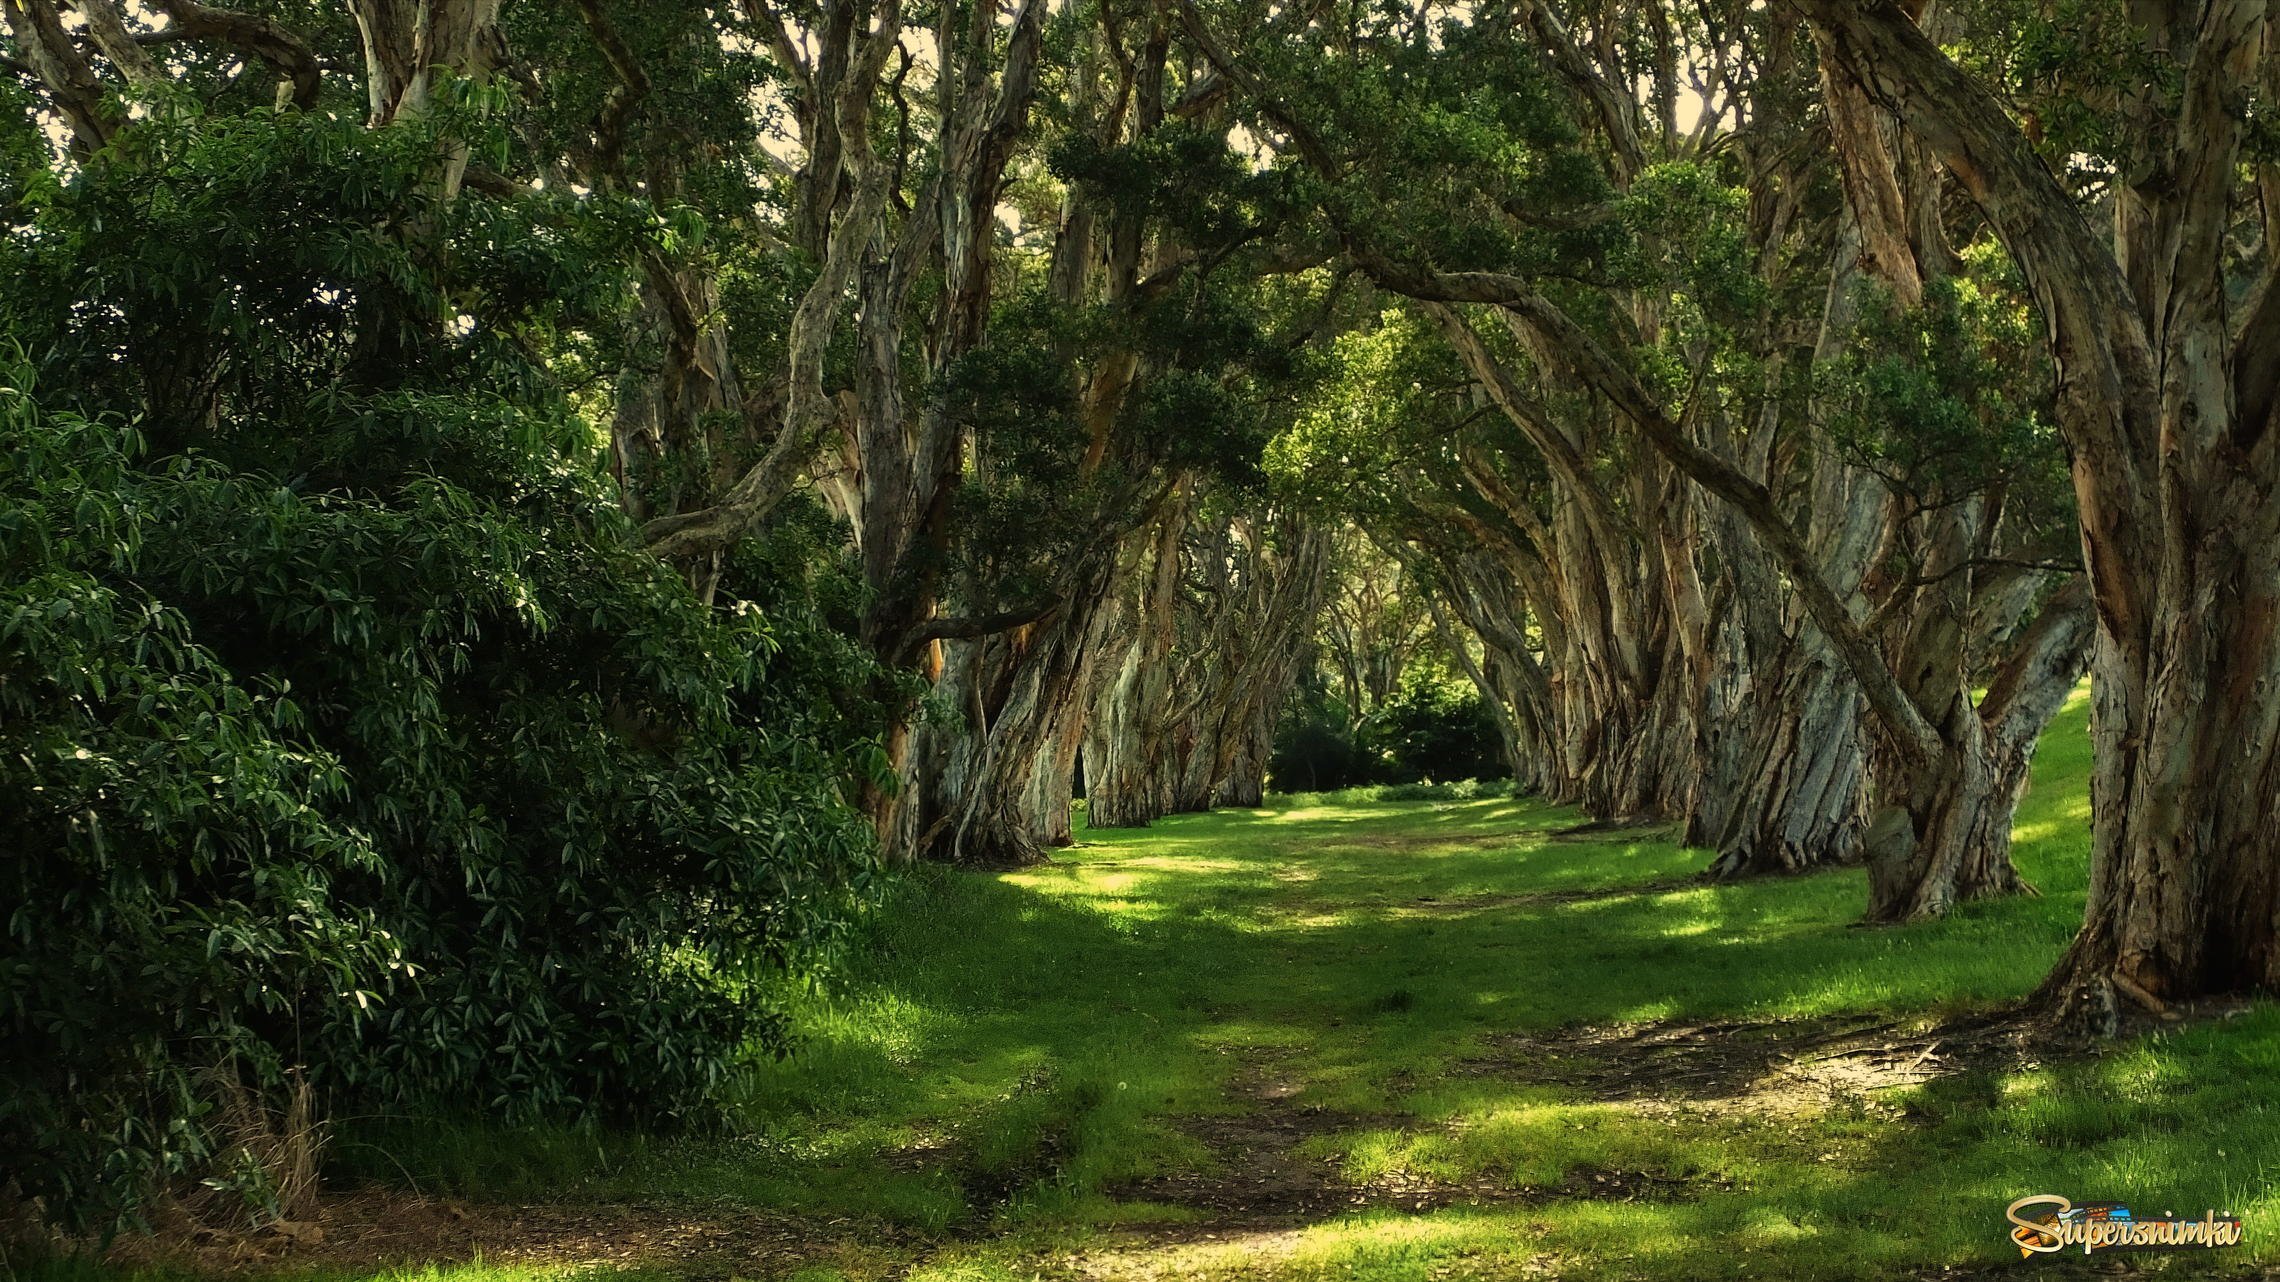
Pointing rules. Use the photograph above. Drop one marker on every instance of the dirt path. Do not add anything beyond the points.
(1262, 1177)
(1269, 1184)
(1274, 1170)
(373, 1230)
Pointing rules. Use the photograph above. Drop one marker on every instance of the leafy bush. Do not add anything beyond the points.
(175, 870)
(1365, 794)
(1315, 752)
(344, 731)
(1437, 730)
(446, 802)
(1434, 728)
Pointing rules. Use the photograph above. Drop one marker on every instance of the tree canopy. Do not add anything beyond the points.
(516, 511)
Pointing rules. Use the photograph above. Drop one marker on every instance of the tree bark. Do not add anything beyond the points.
(1187, 723)
(2165, 404)
(993, 786)
(1127, 783)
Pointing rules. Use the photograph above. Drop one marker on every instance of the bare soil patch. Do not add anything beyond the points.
(373, 1229)
(1774, 1066)
(1261, 1179)
(1264, 1180)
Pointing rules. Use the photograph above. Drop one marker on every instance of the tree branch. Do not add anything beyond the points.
(73, 86)
(2045, 662)
(2108, 387)
(109, 30)
(285, 53)
(810, 413)
(965, 629)
(625, 96)
(1560, 335)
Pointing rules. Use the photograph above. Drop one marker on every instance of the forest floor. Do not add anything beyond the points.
(1328, 1040)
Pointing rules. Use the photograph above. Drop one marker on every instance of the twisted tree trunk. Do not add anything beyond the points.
(1127, 782)
(1790, 789)
(992, 784)
(2167, 401)
(1187, 721)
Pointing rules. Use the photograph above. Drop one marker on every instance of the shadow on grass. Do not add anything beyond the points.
(1008, 1049)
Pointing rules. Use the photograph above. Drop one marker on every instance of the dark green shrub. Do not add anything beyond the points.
(1432, 729)
(175, 857)
(514, 841)
(1436, 731)
(1315, 752)
(343, 728)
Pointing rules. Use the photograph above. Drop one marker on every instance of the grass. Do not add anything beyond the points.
(988, 1093)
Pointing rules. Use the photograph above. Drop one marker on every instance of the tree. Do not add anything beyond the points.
(1205, 644)
(2166, 382)
(351, 739)
(1939, 772)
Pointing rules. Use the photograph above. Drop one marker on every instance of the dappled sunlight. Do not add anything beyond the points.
(2070, 816)
(1377, 1011)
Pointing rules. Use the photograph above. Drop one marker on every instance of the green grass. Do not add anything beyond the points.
(1010, 1051)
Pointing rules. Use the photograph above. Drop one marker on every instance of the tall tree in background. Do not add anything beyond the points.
(1372, 624)
(1148, 341)
(1205, 644)
(1662, 365)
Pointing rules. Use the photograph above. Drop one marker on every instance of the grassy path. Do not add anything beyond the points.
(1400, 1041)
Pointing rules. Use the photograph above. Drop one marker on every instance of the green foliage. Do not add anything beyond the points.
(1941, 399)
(1441, 129)
(2067, 68)
(1378, 424)
(343, 728)
(23, 150)
(1316, 751)
(1371, 794)
(1181, 172)
(225, 274)
(1693, 243)
(178, 855)
(529, 826)
(1434, 728)
(1048, 480)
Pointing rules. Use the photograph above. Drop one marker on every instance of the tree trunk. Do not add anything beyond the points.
(1616, 605)
(1270, 584)
(2167, 403)
(992, 788)
(1126, 783)
(1489, 605)
(1942, 833)
(1796, 803)
(2185, 885)
(1788, 796)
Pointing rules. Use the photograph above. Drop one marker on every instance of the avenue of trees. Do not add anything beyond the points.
(517, 510)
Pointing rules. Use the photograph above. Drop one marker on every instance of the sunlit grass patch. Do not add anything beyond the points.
(1010, 1056)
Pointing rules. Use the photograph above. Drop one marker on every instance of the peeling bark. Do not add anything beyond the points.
(2179, 494)
(1211, 646)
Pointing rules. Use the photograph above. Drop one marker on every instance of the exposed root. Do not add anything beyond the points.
(1737, 867)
